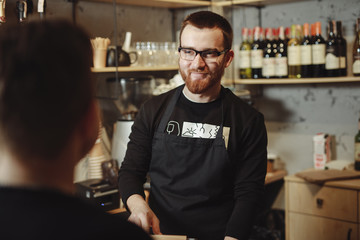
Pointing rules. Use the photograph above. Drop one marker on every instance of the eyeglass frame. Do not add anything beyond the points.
(201, 53)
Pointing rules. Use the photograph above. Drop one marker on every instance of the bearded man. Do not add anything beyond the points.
(203, 148)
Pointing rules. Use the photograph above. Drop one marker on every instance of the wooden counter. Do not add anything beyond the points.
(270, 178)
(274, 176)
(168, 237)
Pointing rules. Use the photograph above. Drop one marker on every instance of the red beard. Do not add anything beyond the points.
(199, 86)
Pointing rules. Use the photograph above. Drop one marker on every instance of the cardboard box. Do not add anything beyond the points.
(322, 150)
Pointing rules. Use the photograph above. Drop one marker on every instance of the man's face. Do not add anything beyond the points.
(199, 74)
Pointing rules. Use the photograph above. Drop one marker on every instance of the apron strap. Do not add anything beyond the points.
(169, 109)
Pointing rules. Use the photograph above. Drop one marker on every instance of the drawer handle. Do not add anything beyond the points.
(319, 202)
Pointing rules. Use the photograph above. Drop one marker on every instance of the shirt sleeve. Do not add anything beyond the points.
(250, 157)
(134, 168)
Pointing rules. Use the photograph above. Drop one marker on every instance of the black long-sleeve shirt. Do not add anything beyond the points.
(246, 148)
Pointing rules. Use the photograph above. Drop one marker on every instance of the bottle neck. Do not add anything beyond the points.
(339, 29)
(281, 33)
(318, 29)
(332, 29)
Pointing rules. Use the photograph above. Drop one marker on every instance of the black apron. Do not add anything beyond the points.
(191, 181)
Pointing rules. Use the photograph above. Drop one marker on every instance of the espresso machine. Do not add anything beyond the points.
(120, 101)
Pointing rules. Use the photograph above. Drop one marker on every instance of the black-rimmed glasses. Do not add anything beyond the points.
(189, 54)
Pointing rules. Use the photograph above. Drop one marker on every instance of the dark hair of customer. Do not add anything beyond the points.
(38, 76)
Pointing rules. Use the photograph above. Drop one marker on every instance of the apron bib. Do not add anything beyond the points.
(191, 182)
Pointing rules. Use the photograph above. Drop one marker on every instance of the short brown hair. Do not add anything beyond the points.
(45, 85)
(208, 19)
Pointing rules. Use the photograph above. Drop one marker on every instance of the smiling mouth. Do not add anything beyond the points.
(198, 75)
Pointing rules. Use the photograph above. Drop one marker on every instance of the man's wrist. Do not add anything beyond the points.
(135, 200)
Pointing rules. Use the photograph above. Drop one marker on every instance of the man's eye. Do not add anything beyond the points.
(210, 54)
(187, 51)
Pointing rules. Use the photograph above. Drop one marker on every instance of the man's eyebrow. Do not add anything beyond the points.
(206, 49)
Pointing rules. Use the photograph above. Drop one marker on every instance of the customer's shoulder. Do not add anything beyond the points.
(97, 222)
(60, 216)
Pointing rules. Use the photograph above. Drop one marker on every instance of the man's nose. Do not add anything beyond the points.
(198, 61)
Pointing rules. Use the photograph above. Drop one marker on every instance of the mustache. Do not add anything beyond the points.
(197, 71)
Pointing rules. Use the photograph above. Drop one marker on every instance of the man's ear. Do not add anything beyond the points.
(229, 57)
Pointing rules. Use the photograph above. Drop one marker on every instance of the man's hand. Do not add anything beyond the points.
(230, 238)
(142, 215)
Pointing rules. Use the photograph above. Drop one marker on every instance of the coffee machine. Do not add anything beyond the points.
(120, 101)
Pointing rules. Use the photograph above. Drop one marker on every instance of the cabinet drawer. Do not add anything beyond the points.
(307, 227)
(323, 201)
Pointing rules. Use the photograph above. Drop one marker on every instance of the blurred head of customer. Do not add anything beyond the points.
(48, 116)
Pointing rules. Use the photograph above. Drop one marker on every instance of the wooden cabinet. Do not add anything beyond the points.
(329, 211)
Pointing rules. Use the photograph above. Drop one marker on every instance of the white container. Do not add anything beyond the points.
(120, 139)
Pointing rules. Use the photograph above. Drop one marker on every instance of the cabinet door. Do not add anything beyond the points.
(323, 201)
(307, 227)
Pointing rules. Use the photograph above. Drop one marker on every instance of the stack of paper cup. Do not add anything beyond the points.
(95, 158)
(100, 46)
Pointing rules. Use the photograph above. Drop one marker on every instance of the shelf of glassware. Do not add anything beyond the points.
(135, 69)
(297, 80)
(192, 3)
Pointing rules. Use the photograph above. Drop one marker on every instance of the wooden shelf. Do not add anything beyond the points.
(135, 69)
(193, 3)
(250, 2)
(160, 3)
(295, 80)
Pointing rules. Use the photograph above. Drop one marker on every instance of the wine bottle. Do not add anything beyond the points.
(332, 60)
(357, 148)
(343, 49)
(245, 48)
(268, 69)
(294, 53)
(281, 61)
(306, 59)
(318, 52)
(256, 55)
(250, 36)
(262, 37)
(312, 37)
(287, 35)
(356, 50)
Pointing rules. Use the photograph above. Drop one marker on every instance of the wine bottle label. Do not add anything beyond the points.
(357, 151)
(356, 67)
(331, 62)
(268, 68)
(294, 55)
(256, 58)
(305, 54)
(244, 58)
(281, 67)
(318, 53)
(342, 62)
